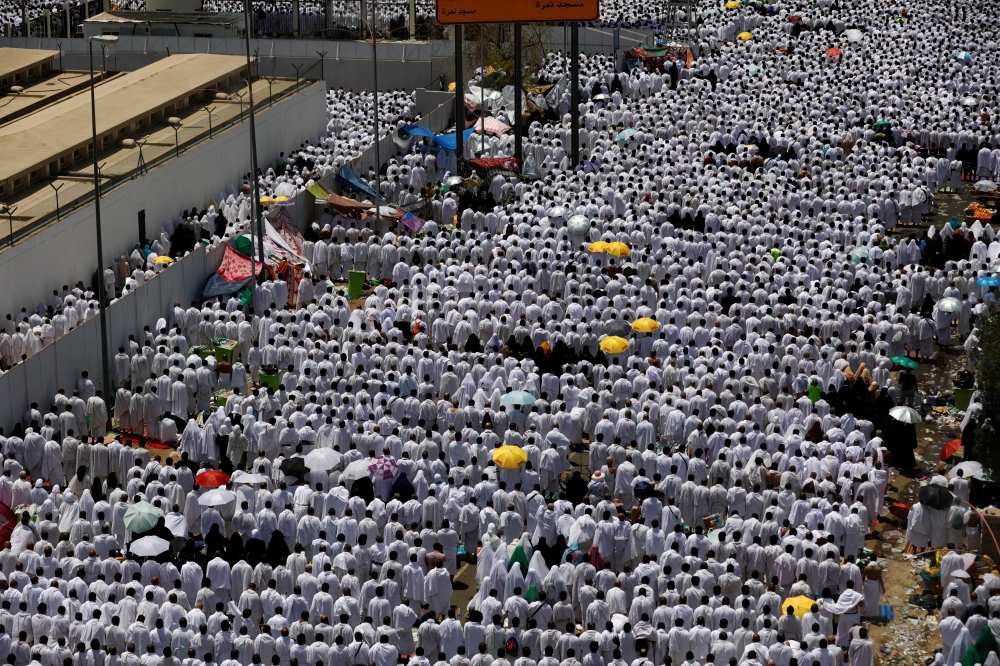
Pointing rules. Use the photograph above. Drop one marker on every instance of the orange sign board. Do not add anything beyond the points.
(457, 12)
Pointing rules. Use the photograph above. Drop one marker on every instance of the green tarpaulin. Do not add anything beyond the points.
(978, 652)
(243, 245)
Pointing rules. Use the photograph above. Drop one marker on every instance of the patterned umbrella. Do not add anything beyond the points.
(383, 467)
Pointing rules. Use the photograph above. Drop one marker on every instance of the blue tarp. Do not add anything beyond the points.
(352, 180)
(446, 141)
(216, 286)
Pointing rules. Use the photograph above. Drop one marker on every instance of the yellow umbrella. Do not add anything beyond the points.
(281, 199)
(744, 36)
(801, 605)
(732, 4)
(614, 345)
(618, 249)
(510, 457)
(599, 246)
(267, 201)
(163, 259)
(645, 325)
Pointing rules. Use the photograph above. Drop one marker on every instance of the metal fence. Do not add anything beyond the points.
(51, 19)
(124, 170)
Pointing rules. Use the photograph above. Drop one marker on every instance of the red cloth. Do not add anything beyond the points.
(595, 558)
(234, 267)
(8, 521)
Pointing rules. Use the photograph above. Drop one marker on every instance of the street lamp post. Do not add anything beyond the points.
(378, 158)
(102, 40)
(57, 196)
(255, 179)
(175, 122)
(209, 110)
(9, 212)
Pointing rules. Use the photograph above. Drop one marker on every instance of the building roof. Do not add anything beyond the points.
(52, 131)
(15, 60)
(202, 18)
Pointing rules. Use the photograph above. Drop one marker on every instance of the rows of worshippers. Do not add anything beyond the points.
(762, 397)
(258, 555)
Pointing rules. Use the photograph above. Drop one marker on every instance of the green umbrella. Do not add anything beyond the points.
(882, 126)
(859, 254)
(905, 362)
(519, 398)
(141, 517)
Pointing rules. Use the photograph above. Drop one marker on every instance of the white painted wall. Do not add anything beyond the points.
(59, 365)
(65, 251)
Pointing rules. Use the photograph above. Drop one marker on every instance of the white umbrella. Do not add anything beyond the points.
(578, 225)
(322, 460)
(970, 469)
(149, 546)
(557, 214)
(949, 304)
(985, 185)
(356, 470)
(905, 414)
(853, 35)
(247, 477)
(216, 497)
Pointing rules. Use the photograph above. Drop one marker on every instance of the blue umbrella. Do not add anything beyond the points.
(988, 281)
(964, 55)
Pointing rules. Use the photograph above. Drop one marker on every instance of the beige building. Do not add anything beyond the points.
(51, 139)
(19, 66)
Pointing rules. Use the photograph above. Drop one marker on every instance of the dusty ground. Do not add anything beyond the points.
(912, 635)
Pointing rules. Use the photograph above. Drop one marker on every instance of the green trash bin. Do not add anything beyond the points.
(962, 397)
(224, 349)
(270, 380)
(355, 283)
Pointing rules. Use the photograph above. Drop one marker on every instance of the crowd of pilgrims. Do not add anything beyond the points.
(762, 398)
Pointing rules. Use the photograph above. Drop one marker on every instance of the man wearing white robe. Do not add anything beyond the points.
(437, 589)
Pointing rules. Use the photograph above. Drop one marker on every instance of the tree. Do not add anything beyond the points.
(987, 364)
(492, 45)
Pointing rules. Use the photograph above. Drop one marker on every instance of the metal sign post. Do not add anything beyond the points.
(461, 12)
(459, 101)
(456, 12)
(518, 129)
(574, 113)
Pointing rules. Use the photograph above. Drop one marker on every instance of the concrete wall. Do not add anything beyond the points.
(347, 64)
(59, 365)
(65, 251)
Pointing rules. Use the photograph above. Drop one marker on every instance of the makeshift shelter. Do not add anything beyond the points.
(656, 58)
(488, 167)
(351, 180)
(446, 141)
(492, 126)
(282, 257)
(348, 207)
(233, 274)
